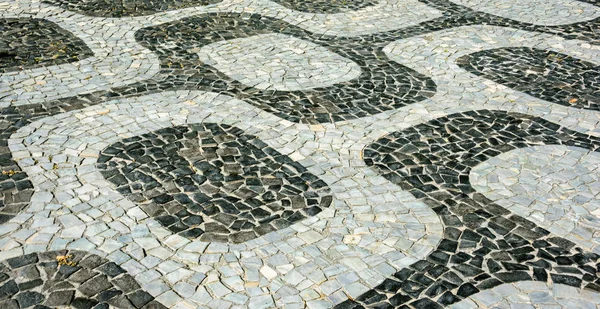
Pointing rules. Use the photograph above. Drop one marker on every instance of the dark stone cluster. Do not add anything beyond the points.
(213, 182)
(126, 8)
(69, 279)
(484, 245)
(28, 43)
(544, 74)
(326, 6)
(383, 84)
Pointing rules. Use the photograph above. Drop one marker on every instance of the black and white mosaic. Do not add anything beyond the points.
(207, 216)
(181, 68)
(484, 244)
(213, 182)
(456, 15)
(315, 105)
(382, 85)
(544, 74)
(326, 7)
(69, 279)
(28, 43)
(125, 8)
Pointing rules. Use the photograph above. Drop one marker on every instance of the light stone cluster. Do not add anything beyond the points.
(555, 186)
(278, 62)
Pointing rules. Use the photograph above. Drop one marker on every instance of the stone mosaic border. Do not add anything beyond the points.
(455, 16)
(458, 15)
(213, 288)
(556, 187)
(557, 113)
(117, 51)
(539, 12)
(361, 259)
(530, 293)
(15, 187)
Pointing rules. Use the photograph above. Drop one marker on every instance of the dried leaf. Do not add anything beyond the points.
(64, 260)
(9, 172)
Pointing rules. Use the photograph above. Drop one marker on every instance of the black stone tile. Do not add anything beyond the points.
(28, 299)
(22, 260)
(566, 279)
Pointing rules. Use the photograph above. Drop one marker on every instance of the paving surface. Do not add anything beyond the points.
(299, 154)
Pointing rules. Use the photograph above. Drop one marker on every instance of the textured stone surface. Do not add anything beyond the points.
(103, 154)
(32, 43)
(73, 279)
(528, 294)
(382, 85)
(213, 182)
(279, 62)
(544, 74)
(324, 6)
(484, 245)
(539, 12)
(554, 186)
(124, 8)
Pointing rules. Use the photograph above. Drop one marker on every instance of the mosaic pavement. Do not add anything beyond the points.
(299, 154)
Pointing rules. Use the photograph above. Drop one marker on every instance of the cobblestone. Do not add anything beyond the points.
(299, 154)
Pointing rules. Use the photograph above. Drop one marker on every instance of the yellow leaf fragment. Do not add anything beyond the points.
(64, 260)
(9, 172)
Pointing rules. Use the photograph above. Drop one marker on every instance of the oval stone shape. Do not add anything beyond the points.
(213, 182)
(278, 62)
